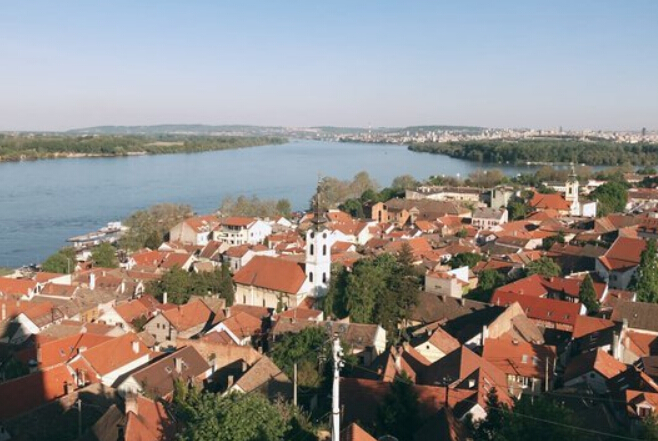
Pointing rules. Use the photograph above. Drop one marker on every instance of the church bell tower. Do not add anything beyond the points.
(318, 249)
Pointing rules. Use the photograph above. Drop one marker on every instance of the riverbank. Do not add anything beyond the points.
(536, 152)
(35, 147)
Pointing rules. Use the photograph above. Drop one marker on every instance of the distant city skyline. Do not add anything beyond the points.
(507, 64)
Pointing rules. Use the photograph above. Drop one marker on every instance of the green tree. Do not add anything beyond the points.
(403, 282)
(303, 348)
(517, 208)
(465, 259)
(548, 242)
(233, 417)
(544, 266)
(105, 255)
(175, 282)
(227, 289)
(649, 428)
(530, 420)
(645, 279)
(154, 240)
(353, 207)
(398, 413)
(488, 281)
(334, 304)
(283, 207)
(404, 182)
(611, 197)
(364, 285)
(63, 261)
(156, 219)
(490, 428)
(587, 295)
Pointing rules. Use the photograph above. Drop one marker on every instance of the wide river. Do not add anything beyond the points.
(42, 203)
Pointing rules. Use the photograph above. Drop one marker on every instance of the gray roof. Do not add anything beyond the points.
(639, 315)
(487, 213)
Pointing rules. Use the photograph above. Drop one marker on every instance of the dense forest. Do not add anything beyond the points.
(24, 147)
(545, 151)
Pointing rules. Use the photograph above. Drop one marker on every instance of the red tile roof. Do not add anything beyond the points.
(115, 353)
(597, 361)
(243, 325)
(21, 287)
(354, 432)
(516, 357)
(272, 273)
(31, 391)
(624, 254)
(238, 221)
(549, 201)
(537, 308)
(189, 315)
(586, 325)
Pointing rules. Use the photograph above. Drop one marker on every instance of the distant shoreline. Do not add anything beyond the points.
(544, 152)
(24, 148)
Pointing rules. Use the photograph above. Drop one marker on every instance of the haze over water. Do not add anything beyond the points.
(43, 203)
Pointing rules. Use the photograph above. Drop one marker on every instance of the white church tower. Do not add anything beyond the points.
(318, 251)
(571, 195)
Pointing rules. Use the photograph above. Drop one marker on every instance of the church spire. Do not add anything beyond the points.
(319, 217)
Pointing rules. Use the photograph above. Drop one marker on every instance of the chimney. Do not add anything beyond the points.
(68, 388)
(164, 298)
(230, 381)
(123, 286)
(178, 364)
(38, 353)
(131, 404)
(81, 349)
(92, 281)
(3, 314)
(135, 346)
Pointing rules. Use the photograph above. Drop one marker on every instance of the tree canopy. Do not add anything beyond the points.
(180, 285)
(611, 197)
(587, 295)
(545, 267)
(255, 207)
(398, 413)
(63, 261)
(531, 419)
(148, 227)
(645, 279)
(233, 417)
(105, 255)
(377, 290)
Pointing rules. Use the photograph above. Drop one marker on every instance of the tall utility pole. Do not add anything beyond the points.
(335, 400)
(294, 396)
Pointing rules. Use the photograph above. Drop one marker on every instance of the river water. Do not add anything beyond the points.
(42, 203)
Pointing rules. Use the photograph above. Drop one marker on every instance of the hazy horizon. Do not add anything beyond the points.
(507, 64)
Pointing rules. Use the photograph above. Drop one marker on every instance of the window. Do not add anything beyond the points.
(263, 303)
(524, 359)
(310, 277)
(324, 235)
(324, 277)
(312, 249)
(244, 299)
(324, 250)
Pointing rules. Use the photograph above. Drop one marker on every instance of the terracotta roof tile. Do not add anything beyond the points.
(272, 273)
(121, 350)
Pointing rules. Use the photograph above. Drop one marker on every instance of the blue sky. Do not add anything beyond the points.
(576, 64)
